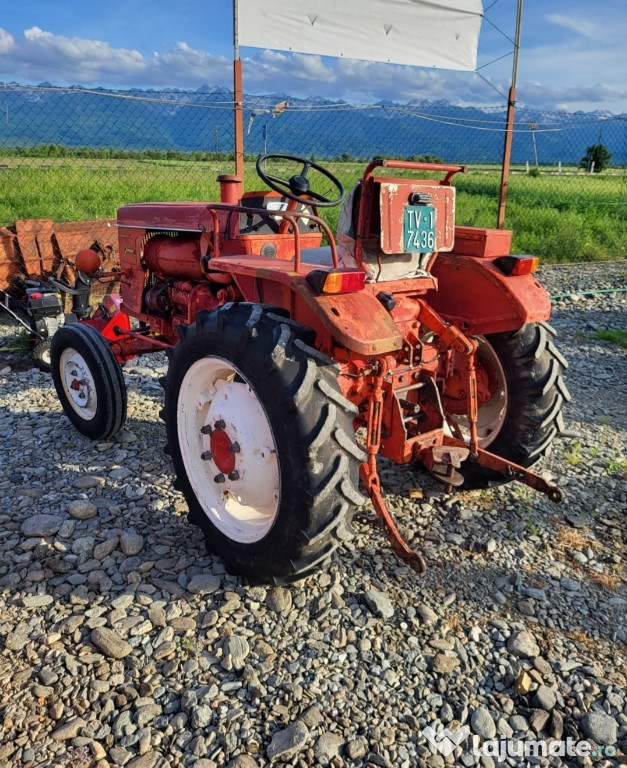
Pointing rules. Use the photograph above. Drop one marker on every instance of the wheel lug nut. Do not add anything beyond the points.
(234, 475)
(206, 429)
(219, 478)
(234, 448)
(205, 455)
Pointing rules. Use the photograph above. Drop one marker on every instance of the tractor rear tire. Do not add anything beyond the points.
(88, 380)
(262, 442)
(528, 416)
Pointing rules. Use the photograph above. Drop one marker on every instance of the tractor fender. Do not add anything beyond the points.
(479, 298)
(357, 321)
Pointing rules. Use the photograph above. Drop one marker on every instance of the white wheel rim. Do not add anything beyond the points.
(492, 413)
(78, 383)
(45, 355)
(216, 407)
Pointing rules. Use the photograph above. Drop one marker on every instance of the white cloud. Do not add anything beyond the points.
(587, 98)
(43, 46)
(573, 75)
(7, 43)
(41, 55)
(583, 27)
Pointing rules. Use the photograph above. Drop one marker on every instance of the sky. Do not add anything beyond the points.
(572, 54)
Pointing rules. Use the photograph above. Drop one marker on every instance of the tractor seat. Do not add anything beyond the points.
(320, 255)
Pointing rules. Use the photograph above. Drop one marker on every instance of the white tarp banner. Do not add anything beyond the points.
(423, 33)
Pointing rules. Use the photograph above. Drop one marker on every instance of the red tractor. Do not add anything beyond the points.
(293, 365)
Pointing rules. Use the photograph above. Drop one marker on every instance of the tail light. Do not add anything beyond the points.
(337, 280)
(517, 265)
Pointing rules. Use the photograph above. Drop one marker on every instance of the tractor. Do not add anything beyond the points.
(298, 357)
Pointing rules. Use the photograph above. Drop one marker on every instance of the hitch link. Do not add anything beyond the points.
(370, 478)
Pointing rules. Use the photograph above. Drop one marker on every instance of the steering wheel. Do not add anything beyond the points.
(297, 187)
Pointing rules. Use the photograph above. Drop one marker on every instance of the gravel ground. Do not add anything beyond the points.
(123, 643)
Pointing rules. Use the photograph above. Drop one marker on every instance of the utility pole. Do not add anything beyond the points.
(533, 127)
(509, 126)
(238, 98)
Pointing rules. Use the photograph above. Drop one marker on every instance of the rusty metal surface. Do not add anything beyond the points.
(39, 249)
(477, 297)
(33, 249)
(393, 198)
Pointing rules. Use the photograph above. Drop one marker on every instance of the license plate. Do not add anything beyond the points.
(419, 229)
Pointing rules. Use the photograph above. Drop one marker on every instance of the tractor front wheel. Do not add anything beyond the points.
(88, 380)
(262, 442)
(524, 413)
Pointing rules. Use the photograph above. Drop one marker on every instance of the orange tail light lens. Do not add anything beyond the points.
(337, 280)
(517, 265)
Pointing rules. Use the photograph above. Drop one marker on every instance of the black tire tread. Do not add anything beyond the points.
(537, 393)
(40, 348)
(318, 421)
(107, 374)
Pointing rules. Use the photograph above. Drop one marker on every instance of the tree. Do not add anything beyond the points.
(597, 158)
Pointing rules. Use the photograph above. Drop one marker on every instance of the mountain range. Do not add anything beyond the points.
(201, 120)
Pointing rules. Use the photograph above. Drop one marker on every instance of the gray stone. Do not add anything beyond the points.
(201, 716)
(527, 607)
(357, 748)
(131, 543)
(279, 600)
(427, 615)
(36, 601)
(557, 725)
(120, 755)
(83, 545)
(15, 641)
(110, 643)
(538, 720)
(601, 728)
(523, 644)
(149, 760)
(518, 723)
(82, 510)
(545, 698)
(571, 585)
(328, 745)
(105, 548)
(88, 481)
(312, 717)
(241, 761)
(442, 664)
(535, 594)
(482, 723)
(288, 742)
(238, 649)
(69, 730)
(66, 531)
(157, 616)
(123, 724)
(147, 713)
(41, 525)
(204, 584)
(379, 603)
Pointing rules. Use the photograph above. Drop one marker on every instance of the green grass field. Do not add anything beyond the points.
(561, 218)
